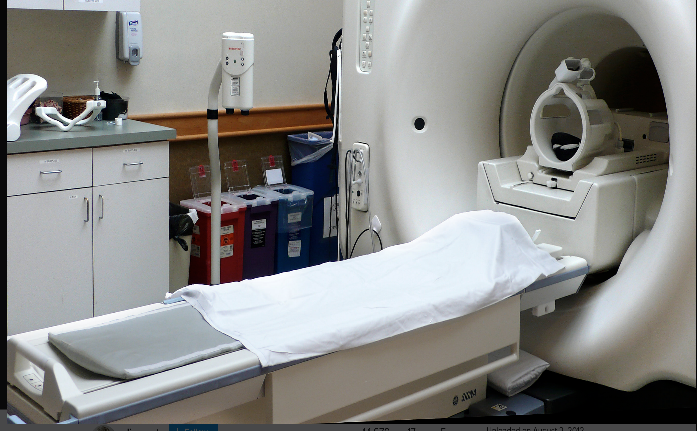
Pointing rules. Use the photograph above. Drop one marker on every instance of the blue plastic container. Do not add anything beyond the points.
(293, 227)
(319, 176)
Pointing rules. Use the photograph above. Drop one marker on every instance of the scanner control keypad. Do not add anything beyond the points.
(365, 42)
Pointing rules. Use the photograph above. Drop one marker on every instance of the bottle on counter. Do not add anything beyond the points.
(96, 97)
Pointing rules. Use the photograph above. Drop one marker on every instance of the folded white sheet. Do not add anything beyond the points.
(466, 263)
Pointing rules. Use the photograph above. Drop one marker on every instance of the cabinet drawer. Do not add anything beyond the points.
(124, 163)
(48, 171)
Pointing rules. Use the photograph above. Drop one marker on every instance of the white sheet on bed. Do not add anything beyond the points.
(466, 263)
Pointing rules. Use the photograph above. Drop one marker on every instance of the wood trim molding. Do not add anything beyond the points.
(279, 119)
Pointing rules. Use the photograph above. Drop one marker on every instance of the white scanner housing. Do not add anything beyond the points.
(238, 70)
(595, 213)
(429, 129)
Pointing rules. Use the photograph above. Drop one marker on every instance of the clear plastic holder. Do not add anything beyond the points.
(201, 187)
(298, 200)
(272, 170)
(229, 204)
(237, 180)
(200, 181)
(236, 176)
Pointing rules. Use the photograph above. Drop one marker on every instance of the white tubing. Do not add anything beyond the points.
(214, 160)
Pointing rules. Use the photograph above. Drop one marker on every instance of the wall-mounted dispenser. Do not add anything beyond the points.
(129, 37)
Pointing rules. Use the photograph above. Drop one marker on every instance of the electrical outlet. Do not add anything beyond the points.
(359, 179)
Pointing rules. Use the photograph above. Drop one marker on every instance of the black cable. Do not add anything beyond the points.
(347, 201)
(359, 237)
(332, 107)
(329, 107)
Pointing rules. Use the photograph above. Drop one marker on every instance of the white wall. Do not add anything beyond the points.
(181, 48)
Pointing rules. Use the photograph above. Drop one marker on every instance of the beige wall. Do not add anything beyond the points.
(181, 48)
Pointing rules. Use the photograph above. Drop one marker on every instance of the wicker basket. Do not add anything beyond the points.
(74, 105)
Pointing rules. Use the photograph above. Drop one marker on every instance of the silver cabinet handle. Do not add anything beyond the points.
(88, 210)
(101, 198)
(58, 171)
(132, 163)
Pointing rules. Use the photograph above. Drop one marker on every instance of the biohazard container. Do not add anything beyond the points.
(294, 222)
(261, 217)
(232, 232)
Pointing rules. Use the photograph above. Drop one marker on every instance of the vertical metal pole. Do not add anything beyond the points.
(214, 160)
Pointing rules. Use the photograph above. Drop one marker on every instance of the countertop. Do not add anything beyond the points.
(46, 137)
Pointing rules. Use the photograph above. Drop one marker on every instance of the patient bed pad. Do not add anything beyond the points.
(144, 344)
(466, 263)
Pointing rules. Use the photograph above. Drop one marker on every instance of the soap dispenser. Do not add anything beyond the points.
(97, 91)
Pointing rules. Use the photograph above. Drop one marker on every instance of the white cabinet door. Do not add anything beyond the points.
(102, 5)
(131, 254)
(35, 4)
(49, 259)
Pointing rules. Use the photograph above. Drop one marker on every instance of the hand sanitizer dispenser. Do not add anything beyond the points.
(129, 37)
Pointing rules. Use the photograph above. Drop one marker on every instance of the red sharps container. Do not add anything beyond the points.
(232, 233)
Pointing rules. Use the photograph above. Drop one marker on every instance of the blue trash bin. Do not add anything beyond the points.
(312, 168)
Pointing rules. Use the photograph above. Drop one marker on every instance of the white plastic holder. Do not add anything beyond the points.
(22, 90)
(574, 70)
(595, 118)
(93, 108)
(542, 309)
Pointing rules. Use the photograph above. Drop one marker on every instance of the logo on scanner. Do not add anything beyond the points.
(465, 396)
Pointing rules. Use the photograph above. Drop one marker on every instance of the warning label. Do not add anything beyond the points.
(226, 251)
(295, 217)
(259, 233)
(294, 248)
(227, 238)
(235, 86)
(195, 250)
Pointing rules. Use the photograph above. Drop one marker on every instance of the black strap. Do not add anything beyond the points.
(333, 73)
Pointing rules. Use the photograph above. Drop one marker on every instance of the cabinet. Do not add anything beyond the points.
(88, 5)
(87, 233)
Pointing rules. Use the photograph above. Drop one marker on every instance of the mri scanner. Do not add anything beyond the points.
(472, 73)
(452, 103)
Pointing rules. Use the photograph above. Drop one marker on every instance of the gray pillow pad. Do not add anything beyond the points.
(145, 344)
(519, 375)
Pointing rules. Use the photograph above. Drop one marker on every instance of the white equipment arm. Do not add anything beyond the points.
(65, 124)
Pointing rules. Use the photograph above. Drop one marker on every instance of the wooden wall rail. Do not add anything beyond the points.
(282, 119)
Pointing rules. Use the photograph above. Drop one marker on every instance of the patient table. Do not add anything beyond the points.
(433, 371)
